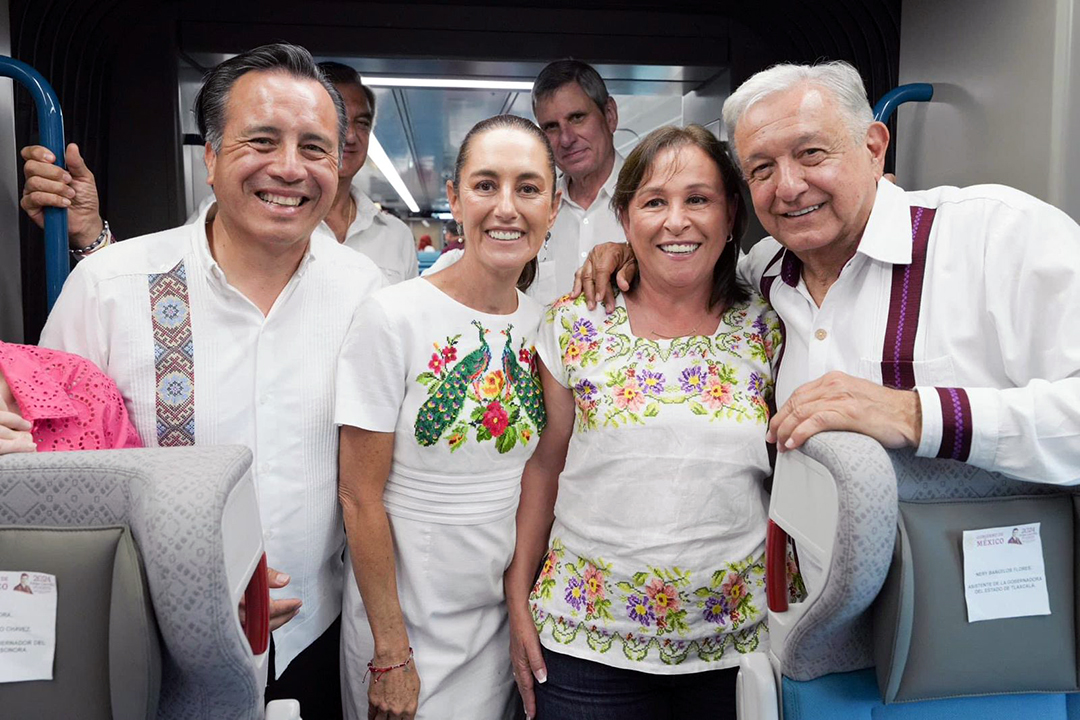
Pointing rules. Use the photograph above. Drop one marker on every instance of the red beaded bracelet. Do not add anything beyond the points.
(378, 672)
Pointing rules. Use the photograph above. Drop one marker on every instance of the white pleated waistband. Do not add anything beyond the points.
(451, 499)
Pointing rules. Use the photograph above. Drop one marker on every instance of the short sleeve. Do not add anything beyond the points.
(553, 324)
(370, 384)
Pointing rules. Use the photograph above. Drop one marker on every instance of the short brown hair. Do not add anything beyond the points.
(639, 164)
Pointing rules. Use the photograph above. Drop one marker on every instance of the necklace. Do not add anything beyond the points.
(692, 332)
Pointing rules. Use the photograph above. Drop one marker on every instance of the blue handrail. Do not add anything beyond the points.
(51, 127)
(912, 92)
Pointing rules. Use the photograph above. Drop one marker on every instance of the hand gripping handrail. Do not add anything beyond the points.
(51, 127)
(912, 92)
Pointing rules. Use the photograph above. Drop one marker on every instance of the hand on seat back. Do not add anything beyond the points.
(837, 401)
(48, 185)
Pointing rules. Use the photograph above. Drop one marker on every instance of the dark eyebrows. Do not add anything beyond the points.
(486, 173)
(316, 137)
(263, 130)
(276, 132)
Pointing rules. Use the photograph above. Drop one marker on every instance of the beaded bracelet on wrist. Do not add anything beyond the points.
(103, 239)
(378, 672)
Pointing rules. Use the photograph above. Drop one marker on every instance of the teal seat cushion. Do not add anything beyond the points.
(855, 696)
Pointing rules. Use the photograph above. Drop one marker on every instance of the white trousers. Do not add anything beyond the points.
(450, 588)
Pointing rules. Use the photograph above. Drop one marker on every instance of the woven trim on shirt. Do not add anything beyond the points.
(174, 357)
(955, 424)
(898, 352)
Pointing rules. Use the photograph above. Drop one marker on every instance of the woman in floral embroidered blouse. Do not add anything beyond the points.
(440, 407)
(652, 575)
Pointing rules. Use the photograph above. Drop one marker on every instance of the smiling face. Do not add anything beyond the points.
(579, 132)
(813, 185)
(360, 121)
(277, 170)
(679, 219)
(506, 199)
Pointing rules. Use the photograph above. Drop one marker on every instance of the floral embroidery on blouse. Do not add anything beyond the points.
(659, 601)
(636, 390)
(504, 405)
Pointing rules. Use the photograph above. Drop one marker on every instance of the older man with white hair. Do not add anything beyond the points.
(937, 319)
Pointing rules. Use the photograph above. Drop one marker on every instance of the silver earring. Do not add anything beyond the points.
(730, 237)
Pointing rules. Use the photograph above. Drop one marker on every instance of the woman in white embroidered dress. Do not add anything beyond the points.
(440, 406)
(652, 581)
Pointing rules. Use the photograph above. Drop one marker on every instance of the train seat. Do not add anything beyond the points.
(152, 552)
(883, 632)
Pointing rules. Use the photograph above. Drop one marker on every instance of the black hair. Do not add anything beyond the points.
(213, 96)
(341, 74)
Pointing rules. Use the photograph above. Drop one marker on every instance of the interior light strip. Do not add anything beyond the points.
(382, 161)
(454, 83)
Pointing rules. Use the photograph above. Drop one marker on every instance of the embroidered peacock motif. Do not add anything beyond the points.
(525, 383)
(441, 410)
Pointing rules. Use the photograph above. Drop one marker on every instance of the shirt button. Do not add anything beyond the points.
(265, 467)
(584, 254)
(585, 221)
(821, 334)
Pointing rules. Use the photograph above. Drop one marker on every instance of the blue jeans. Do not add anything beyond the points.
(585, 690)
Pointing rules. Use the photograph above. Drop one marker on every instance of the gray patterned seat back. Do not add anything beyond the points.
(845, 483)
(181, 506)
(895, 599)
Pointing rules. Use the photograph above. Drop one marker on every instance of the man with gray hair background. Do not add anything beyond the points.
(939, 320)
(573, 108)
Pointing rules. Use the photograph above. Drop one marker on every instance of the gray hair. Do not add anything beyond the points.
(213, 96)
(838, 77)
(561, 73)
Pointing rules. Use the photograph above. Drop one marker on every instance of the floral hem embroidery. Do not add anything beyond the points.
(654, 602)
(637, 648)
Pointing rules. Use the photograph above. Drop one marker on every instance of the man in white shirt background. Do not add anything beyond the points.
(354, 219)
(227, 331)
(573, 108)
(941, 320)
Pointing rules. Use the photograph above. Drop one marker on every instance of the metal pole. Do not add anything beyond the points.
(51, 127)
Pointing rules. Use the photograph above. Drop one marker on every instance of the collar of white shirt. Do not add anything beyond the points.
(366, 211)
(608, 188)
